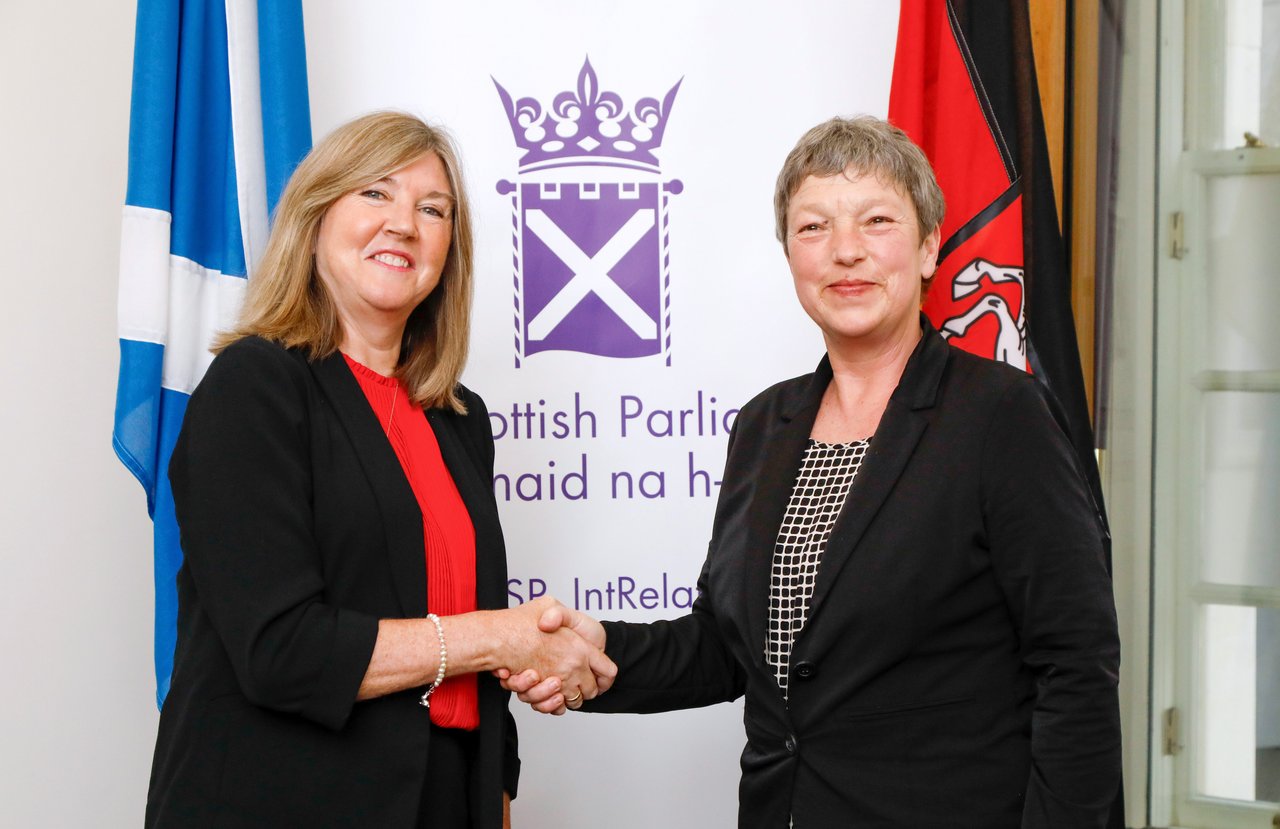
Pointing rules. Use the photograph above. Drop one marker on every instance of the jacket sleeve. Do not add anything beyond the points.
(241, 477)
(672, 664)
(1046, 540)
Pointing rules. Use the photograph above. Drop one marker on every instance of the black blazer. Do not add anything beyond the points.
(959, 664)
(299, 532)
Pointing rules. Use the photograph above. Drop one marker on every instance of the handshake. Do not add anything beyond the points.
(563, 654)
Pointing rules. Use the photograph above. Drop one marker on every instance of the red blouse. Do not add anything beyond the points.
(449, 536)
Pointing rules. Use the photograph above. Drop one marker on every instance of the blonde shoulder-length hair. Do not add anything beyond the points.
(286, 301)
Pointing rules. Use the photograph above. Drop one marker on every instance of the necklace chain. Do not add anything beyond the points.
(392, 415)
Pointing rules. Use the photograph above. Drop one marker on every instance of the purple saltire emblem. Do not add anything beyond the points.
(589, 224)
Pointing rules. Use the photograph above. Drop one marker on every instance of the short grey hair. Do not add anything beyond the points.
(868, 146)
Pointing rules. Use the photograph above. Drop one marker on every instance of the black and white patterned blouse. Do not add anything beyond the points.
(826, 473)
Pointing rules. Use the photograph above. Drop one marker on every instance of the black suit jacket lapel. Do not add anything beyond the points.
(401, 518)
(465, 466)
(891, 448)
(781, 453)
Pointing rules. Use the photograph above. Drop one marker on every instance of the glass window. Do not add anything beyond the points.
(1240, 491)
(1241, 692)
(1242, 259)
(1238, 77)
(1269, 87)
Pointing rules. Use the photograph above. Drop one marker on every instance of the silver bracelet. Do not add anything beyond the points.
(425, 700)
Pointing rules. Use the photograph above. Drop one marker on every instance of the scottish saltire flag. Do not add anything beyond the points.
(219, 118)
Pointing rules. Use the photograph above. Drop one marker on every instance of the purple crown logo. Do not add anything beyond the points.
(588, 126)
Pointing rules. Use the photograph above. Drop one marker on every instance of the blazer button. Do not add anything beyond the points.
(806, 670)
(790, 744)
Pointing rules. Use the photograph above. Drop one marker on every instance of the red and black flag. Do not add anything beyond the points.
(964, 89)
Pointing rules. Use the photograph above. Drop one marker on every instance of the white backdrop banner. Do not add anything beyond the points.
(630, 297)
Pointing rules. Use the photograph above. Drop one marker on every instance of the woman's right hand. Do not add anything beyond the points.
(546, 640)
(540, 641)
(551, 695)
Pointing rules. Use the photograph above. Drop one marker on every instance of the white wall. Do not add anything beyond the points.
(77, 701)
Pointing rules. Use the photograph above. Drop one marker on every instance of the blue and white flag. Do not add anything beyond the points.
(219, 119)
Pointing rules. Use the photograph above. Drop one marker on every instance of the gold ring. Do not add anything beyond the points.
(568, 700)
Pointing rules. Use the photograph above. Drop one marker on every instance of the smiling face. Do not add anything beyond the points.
(857, 259)
(380, 249)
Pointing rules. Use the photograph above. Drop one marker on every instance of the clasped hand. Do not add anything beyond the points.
(557, 657)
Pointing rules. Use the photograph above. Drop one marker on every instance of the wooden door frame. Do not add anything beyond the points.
(1064, 35)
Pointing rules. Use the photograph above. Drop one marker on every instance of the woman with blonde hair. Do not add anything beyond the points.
(342, 599)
